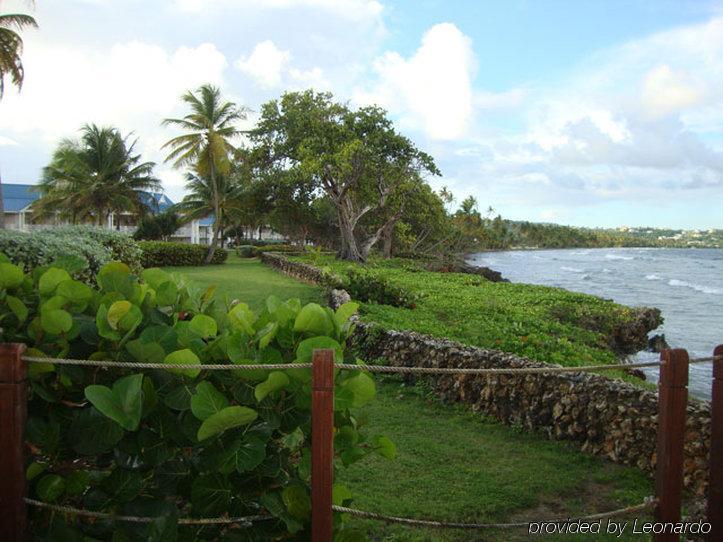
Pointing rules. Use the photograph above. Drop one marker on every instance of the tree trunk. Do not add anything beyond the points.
(216, 218)
(349, 249)
(387, 239)
(2, 206)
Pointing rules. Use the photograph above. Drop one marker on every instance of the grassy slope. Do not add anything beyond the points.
(250, 281)
(538, 322)
(451, 464)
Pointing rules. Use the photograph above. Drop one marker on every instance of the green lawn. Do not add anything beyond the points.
(250, 281)
(452, 464)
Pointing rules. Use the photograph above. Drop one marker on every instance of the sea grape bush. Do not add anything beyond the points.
(178, 442)
(170, 253)
(373, 287)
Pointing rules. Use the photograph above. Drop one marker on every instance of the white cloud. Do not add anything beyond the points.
(666, 91)
(432, 89)
(265, 64)
(132, 86)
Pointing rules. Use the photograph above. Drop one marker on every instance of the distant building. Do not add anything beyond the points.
(18, 200)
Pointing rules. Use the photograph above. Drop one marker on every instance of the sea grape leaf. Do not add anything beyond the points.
(228, 418)
(123, 404)
(305, 350)
(93, 433)
(183, 357)
(166, 293)
(313, 319)
(155, 276)
(50, 487)
(11, 275)
(50, 280)
(385, 447)
(274, 382)
(204, 326)
(344, 312)
(297, 501)
(18, 307)
(243, 318)
(210, 494)
(56, 321)
(207, 401)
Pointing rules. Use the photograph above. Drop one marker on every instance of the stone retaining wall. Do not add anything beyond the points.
(606, 417)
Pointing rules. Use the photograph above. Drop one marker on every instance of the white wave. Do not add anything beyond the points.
(572, 269)
(652, 276)
(581, 253)
(617, 257)
(606, 270)
(696, 287)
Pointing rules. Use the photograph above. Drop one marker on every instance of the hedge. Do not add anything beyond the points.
(81, 250)
(163, 254)
(252, 251)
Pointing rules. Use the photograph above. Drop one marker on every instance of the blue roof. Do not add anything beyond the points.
(17, 197)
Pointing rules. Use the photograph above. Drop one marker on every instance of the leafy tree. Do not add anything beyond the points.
(11, 48)
(206, 147)
(355, 157)
(158, 227)
(90, 178)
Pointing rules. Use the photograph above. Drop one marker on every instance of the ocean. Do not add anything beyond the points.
(685, 284)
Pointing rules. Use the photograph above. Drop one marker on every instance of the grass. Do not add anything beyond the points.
(542, 323)
(250, 281)
(452, 464)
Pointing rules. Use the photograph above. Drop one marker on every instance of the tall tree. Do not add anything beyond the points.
(90, 178)
(206, 147)
(355, 157)
(11, 65)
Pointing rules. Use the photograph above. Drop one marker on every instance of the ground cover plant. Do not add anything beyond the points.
(184, 441)
(451, 464)
(542, 323)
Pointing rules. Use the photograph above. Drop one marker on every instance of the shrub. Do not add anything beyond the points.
(157, 227)
(163, 253)
(246, 251)
(82, 257)
(182, 442)
(369, 286)
(122, 246)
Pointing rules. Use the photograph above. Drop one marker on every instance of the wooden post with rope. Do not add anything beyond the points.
(672, 403)
(13, 413)
(322, 445)
(715, 463)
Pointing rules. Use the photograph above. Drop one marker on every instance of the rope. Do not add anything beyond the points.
(246, 520)
(354, 367)
(167, 366)
(649, 502)
(495, 370)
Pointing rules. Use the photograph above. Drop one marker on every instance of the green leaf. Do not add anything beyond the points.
(124, 316)
(339, 494)
(114, 267)
(75, 291)
(56, 321)
(155, 276)
(210, 495)
(146, 352)
(267, 334)
(243, 455)
(241, 317)
(179, 398)
(297, 501)
(123, 404)
(18, 307)
(275, 381)
(228, 418)
(274, 504)
(313, 319)
(50, 488)
(346, 311)
(77, 482)
(166, 294)
(204, 326)
(183, 357)
(207, 401)
(91, 433)
(305, 350)
(361, 388)
(104, 329)
(34, 470)
(11, 276)
(386, 448)
(124, 485)
(50, 280)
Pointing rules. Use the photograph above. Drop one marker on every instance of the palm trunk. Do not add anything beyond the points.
(217, 218)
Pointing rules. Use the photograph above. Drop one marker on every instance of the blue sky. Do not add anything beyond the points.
(603, 113)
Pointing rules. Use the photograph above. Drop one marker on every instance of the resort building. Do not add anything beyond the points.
(18, 201)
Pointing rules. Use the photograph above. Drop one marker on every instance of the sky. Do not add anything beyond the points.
(588, 113)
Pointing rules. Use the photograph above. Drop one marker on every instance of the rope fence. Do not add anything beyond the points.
(245, 520)
(648, 504)
(355, 367)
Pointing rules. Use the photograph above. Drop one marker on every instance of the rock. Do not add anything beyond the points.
(657, 343)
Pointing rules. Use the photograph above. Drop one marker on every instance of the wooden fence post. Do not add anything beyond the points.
(13, 412)
(322, 445)
(715, 464)
(672, 402)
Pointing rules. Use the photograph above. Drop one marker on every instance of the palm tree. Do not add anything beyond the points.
(11, 47)
(207, 145)
(222, 198)
(95, 176)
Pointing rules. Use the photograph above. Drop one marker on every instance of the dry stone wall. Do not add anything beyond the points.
(606, 417)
